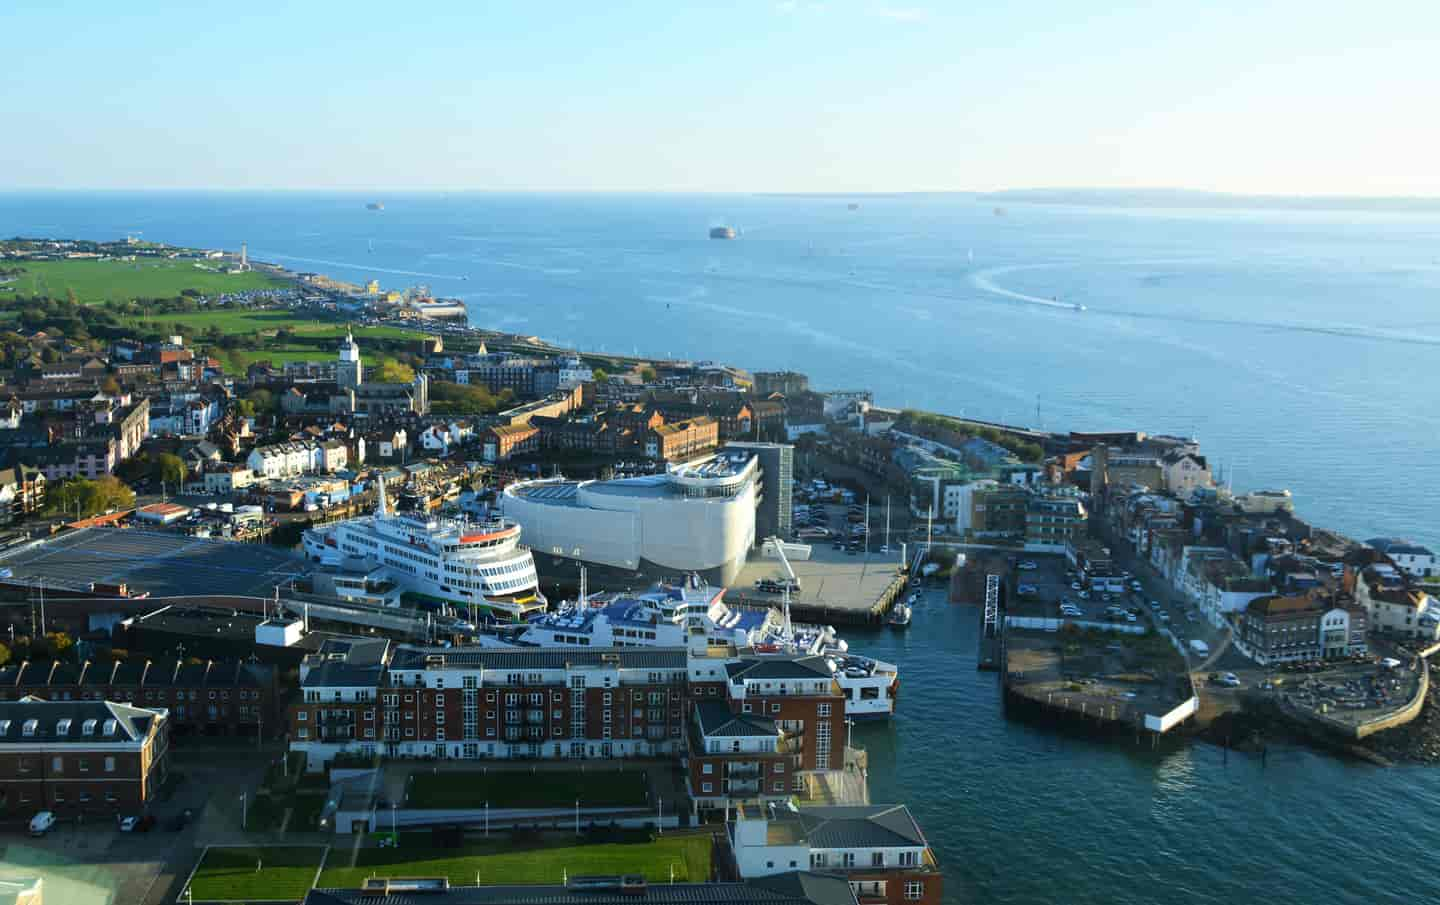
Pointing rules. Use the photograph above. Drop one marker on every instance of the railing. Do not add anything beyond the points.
(744, 787)
(746, 769)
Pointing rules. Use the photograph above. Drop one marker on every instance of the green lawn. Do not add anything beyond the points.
(500, 862)
(543, 789)
(100, 281)
(228, 873)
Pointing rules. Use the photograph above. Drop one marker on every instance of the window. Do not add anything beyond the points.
(779, 766)
(817, 859)
(877, 859)
(109, 765)
(822, 710)
(302, 732)
(848, 859)
(908, 859)
(708, 769)
(57, 765)
(302, 715)
(914, 889)
(706, 787)
(84, 765)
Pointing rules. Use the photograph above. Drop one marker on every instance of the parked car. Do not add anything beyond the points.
(1074, 585)
(1164, 616)
(1028, 566)
(41, 823)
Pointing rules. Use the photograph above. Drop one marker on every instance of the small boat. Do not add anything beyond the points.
(853, 206)
(1078, 307)
(722, 232)
(899, 615)
(375, 206)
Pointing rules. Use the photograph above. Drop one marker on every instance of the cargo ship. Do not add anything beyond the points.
(722, 232)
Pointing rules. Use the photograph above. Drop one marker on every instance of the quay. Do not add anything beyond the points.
(835, 587)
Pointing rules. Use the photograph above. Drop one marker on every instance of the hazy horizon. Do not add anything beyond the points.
(758, 97)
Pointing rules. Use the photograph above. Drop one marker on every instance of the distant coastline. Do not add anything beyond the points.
(1152, 198)
(1192, 198)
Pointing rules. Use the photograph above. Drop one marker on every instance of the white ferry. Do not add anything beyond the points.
(696, 614)
(479, 565)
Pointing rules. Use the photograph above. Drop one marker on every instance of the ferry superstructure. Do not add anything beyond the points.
(480, 566)
(695, 615)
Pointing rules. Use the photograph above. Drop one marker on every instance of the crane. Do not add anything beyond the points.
(790, 581)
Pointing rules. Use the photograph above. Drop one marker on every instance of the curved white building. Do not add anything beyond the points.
(698, 517)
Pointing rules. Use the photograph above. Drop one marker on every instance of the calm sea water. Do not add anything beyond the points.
(1301, 349)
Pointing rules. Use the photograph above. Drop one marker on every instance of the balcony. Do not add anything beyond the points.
(742, 787)
(742, 770)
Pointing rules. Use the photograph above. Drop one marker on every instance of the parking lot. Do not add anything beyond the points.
(161, 563)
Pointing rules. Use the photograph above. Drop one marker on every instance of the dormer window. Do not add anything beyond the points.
(29, 727)
(110, 727)
(62, 727)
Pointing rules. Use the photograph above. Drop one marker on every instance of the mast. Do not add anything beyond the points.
(381, 507)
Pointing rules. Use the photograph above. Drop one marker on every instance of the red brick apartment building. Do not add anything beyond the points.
(213, 698)
(73, 757)
(753, 727)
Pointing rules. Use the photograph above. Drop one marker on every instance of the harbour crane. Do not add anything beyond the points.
(790, 581)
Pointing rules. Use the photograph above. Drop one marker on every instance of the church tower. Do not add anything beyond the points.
(350, 371)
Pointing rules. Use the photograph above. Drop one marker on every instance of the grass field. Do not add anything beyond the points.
(247, 320)
(500, 862)
(101, 281)
(507, 789)
(228, 873)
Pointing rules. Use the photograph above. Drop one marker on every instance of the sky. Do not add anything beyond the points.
(1313, 97)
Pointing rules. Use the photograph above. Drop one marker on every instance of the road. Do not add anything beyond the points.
(1177, 613)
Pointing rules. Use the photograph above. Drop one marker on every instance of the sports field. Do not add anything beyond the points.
(501, 862)
(241, 873)
(117, 281)
(166, 565)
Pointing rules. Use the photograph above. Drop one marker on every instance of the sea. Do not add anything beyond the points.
(1299, 347)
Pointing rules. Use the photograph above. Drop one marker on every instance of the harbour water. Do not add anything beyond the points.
(1298, 346)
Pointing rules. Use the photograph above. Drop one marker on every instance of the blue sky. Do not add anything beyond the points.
(840, 95)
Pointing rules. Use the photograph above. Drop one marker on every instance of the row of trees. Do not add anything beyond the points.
(85, 497)
(1024, 450)
(467, 399)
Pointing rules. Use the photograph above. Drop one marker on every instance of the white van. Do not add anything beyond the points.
(41, 823)
(1199, 648)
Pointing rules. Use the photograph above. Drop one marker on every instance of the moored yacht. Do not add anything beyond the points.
(695, 615)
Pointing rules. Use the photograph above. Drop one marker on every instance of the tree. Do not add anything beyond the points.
(392, 371)
(600, 375)
(85, 497)
(110, 386)
(647, 374)
(245, 408)
(263, 400)
(170, 468)
(4, 654)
